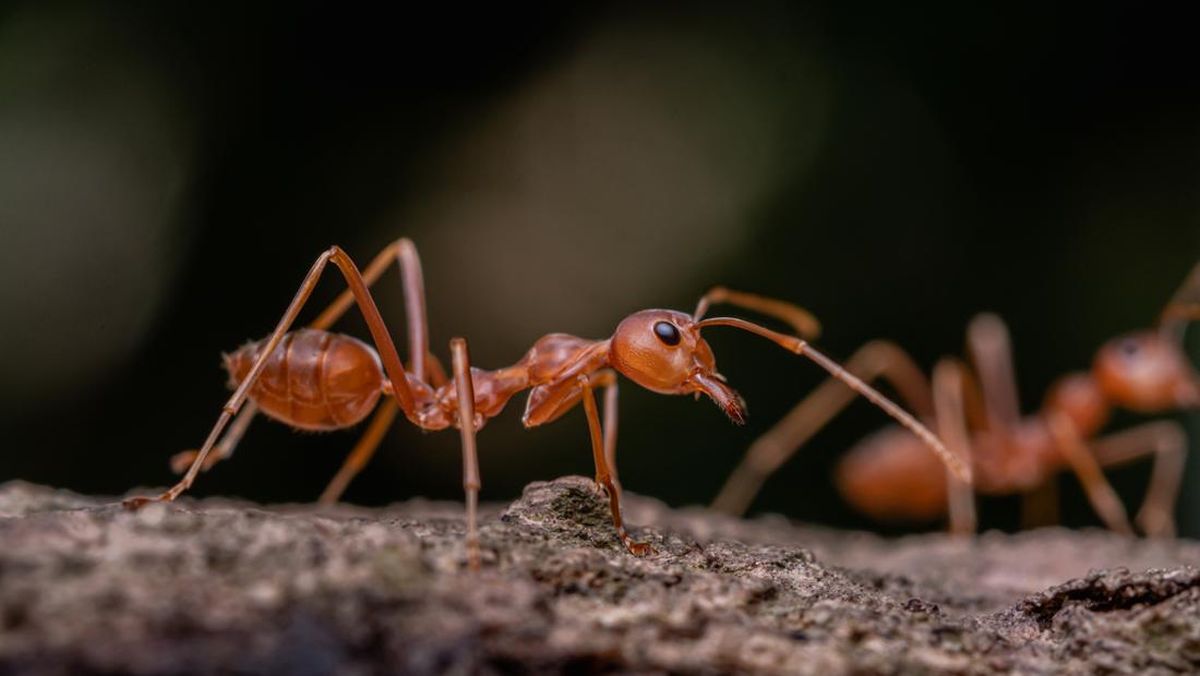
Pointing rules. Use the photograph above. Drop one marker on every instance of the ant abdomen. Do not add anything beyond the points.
(891, 476)
(314, 380)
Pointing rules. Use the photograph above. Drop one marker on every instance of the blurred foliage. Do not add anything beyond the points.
(170, 171)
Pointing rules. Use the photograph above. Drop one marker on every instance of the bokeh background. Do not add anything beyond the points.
(168, 172)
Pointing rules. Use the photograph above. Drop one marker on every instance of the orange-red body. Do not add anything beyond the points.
(313, 379)
(891, 477)
(319, 380)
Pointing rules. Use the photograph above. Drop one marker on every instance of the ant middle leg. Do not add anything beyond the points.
(465, 389)
(390, 358)
(1165, 439)
(610, 431)
(876, 359)
(600, 454)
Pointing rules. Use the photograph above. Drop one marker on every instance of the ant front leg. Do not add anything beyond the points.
(1167, 441)
(610, 430)
(604, 476)
(1099, 491)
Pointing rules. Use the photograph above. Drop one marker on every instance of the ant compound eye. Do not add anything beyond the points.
(667, 333)
(1129, 347)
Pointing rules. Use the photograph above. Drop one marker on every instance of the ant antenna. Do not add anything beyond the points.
(801, 347)
(1183, 308)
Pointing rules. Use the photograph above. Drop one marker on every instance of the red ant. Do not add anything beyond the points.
(317, 380)
(888, 476)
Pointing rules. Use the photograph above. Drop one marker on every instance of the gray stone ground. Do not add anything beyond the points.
(219, 586)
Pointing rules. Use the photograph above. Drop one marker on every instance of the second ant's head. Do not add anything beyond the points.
(662, 351)
(1146, 372)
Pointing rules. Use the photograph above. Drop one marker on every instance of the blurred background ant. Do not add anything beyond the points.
(892, 171)
(976, 412)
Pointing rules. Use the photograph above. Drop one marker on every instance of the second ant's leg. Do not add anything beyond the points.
(952, 428)
(604, 476)
(991, 353)
(461, 363)
(361, 455)
(1183, 307)
(877, 359)
(1099, 492)
(1166, 440)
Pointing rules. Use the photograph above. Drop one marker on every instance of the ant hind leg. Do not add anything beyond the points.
(392, 365)
(362, 453)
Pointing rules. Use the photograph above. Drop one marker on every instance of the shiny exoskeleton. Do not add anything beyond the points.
(889, 475)
(317, 380)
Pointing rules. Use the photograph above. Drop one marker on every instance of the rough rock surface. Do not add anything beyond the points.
(220, 586)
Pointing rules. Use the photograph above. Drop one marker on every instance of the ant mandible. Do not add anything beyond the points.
(313, 379)
(977, 413)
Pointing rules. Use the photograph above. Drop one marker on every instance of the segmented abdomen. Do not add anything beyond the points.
(314, 380)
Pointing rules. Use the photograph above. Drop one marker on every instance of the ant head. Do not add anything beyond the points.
(662, 351)
(1146, 372)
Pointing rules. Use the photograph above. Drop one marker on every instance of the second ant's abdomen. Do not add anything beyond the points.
(893, 476)
(314, 380)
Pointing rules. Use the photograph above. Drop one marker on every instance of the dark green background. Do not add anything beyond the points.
(1042, 163)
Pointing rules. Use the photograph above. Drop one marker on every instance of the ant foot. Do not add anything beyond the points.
(638, 548)
(1156, 522)
(474, 557)
(601, 489)
(137, 502)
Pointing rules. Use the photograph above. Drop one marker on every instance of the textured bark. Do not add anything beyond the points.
(214, 585)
